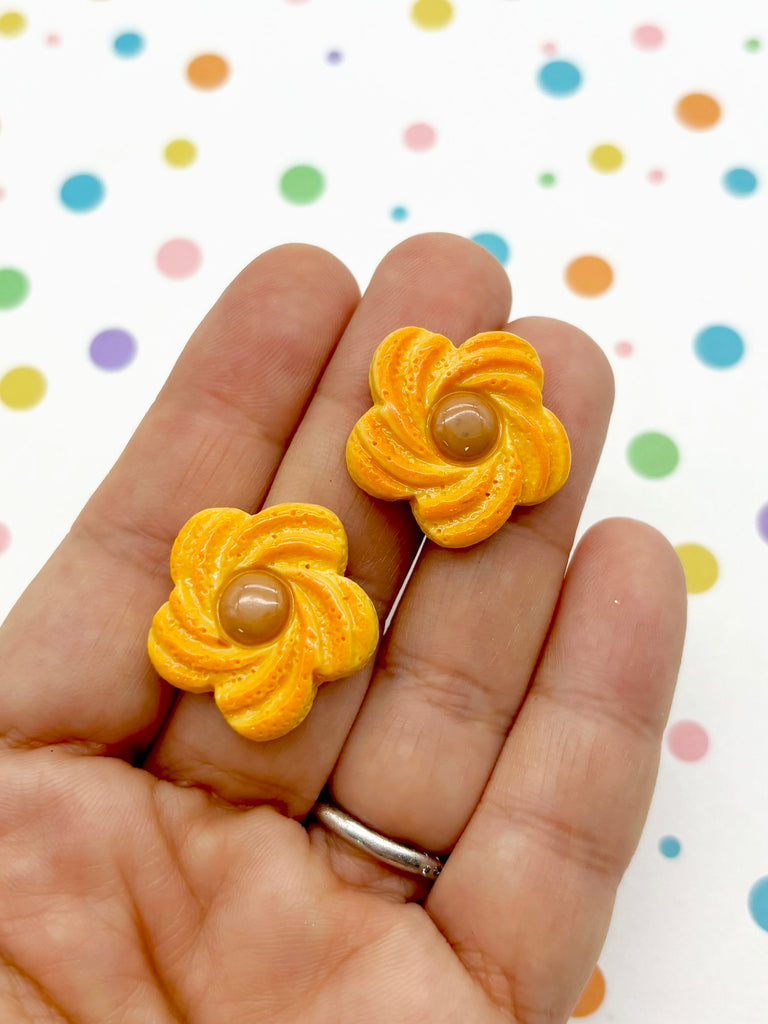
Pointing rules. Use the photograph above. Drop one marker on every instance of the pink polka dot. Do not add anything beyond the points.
(179, 258)
(5, 538)
(656, 176)
(419, 136)
(624, 348)
(2, 193)
(549, 49)
(688, 741)
(648, 37)
(52, 39)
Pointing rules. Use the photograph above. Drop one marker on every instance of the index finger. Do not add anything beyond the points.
(214, 436)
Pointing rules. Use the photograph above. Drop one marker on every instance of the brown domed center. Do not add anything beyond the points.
(253, 607)
(464, 426)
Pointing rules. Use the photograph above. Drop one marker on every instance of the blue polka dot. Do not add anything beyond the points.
(669, 846)
(82, 192)
(129, 44)
(758, 902)
(495, 245)
(718, 346)
(398, 213)
(559, 78)
(739, 181)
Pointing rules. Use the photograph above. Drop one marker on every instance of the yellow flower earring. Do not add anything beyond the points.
(262, 614)
(460, 433)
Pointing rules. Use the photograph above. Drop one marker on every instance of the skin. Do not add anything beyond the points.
(156, 867)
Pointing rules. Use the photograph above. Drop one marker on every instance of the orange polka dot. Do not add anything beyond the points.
(592, 996)
(697, 110)
(588, 275)
(208, 71)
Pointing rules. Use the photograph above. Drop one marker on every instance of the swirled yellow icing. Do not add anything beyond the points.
(392, 454)
(265, 690)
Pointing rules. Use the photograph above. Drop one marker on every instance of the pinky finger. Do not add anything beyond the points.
(527, 894)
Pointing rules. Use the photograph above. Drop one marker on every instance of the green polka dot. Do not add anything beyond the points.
(653, 455)
(14, 287)
(752, 45)
(22, 387)
(547, 179)
(302, 184)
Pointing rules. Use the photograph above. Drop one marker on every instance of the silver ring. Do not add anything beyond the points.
(397, 855)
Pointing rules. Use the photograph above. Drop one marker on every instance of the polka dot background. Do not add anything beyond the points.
(610, 156)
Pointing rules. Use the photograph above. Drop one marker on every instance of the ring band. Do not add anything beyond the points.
(382, 848)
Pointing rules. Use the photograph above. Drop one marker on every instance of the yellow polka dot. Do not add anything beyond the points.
(432, 13)
(180, 153)
(12, 23)
(22, 387)
(606, 158)
(699, 565)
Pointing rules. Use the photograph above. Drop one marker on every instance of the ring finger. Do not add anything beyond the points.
(468, 632)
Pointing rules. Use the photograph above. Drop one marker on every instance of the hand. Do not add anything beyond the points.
(154, 865)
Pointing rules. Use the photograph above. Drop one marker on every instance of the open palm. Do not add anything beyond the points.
(155, 866)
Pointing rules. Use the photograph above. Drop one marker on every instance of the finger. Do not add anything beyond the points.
(73, 651)
(526, 896)
(449, 285)
(468, 633)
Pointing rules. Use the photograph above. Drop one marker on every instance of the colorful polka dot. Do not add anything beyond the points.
(22, 387)
(593, 995)
(606, 158)
(740, 181)
(653, 455)
(180, 153)
(179, 258)
(623, 348)
(5, 538)
(302, 184)
(398, 213)
(752, 45)
(719, 346)
(82, 192)
(669, 846)
(334, 57)
(14, 287)
(648, 37)
(698, 110)
(208, 71)
(12, 23)
(419, 137)
(495, 244)
(548, 49)
(589, 275)
(432, 14)
(656, 176)
(699, 565)
(112, 349)
(128, 44)
(758, 903)
(547, 179)
(687, 740)
(559, 78)
(762, 522)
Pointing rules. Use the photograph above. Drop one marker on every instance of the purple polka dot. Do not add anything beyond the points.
(113, 349)
(762, 522)
(334, 57)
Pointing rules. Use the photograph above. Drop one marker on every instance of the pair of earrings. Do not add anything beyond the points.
(261, 612)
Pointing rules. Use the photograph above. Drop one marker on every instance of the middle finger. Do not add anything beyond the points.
(441, 282)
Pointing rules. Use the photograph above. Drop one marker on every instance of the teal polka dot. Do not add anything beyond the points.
(495, 245)
(398, 213)
(669, 846)
(82, 192)
(739, 181)
(559, 78)
(718, 346)
(129, 44)
(758, 902)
